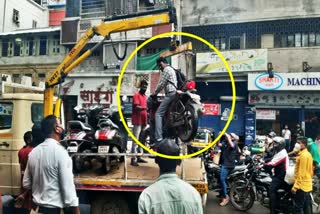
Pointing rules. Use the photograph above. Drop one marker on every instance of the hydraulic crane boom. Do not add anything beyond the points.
(108, 26)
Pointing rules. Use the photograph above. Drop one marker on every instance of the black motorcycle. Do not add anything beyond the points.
(213, 171)
(181, 118)
(256, 186)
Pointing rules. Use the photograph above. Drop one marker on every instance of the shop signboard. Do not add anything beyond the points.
(250, 125)
(239, 61)
(265, 114)
(284, 82)
(211, 109)
(292, 98)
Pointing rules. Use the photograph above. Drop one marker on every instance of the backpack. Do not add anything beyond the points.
(181, 78)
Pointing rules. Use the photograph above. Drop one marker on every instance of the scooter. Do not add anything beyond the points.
(80, 139)
(110, 137)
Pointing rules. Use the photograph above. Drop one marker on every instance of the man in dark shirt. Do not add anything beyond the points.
(228, 156)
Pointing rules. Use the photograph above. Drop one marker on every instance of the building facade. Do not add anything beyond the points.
(23, 14)
(254, 37)
(32, 52)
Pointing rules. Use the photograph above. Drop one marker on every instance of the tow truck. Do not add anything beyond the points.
(118, 190)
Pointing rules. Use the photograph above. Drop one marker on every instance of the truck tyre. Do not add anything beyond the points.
(109, 204)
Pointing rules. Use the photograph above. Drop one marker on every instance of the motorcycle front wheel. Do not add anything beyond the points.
(188, 130)
(241, 197)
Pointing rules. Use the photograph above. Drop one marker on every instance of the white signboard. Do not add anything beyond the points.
(239, 61)
(284, 82)
(56, 2)
(262, 114)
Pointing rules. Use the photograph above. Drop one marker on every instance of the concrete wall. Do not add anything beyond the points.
(28, 11)
(290, 59)
(205, 12)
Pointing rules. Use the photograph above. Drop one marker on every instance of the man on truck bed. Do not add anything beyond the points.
(168, 82)
(139, 119)
(49, 172)
(169, 194)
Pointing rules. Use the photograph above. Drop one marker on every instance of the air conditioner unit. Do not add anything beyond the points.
(16, 17)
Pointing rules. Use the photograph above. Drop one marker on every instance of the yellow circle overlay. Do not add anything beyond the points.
(232, 84)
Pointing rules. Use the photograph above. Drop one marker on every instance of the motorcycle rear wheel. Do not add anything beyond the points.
(188, 131)
(239, 194)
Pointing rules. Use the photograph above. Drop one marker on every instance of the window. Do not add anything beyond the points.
(41, 75)
(234, 43)
(6, 115)
(290, 41)
(17, 47)
(16, 78)
(220, 43)
(43, 45)
(305, 40)
(5, 47)
(56, 44)
(36, 112)
(318, 39)
(16, 17)
(34, 24)
(298, 39)
(312, 39)
(30, 46)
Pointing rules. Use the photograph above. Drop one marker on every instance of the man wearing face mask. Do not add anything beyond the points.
(280, 163)
(168, 82)
(49, 172)
(139, 118)
(303, 173)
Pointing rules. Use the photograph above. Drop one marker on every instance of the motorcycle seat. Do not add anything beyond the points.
(78, 125)
(107, 122)
(239, 168)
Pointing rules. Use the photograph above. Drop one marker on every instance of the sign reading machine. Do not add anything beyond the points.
(284, 82)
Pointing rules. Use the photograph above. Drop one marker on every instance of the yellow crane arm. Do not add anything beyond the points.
(107, 26)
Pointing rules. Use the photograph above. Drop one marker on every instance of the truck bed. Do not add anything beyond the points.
(124, 177)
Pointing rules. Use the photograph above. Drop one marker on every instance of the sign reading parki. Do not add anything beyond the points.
(284, 82)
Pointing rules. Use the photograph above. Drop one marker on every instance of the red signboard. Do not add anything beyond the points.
(55, 17)
(211, 109)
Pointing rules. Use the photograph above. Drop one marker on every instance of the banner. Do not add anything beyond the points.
(212, 109)
(262, 114)
(239, 61)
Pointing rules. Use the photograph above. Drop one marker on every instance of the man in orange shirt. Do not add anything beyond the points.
(303, 173)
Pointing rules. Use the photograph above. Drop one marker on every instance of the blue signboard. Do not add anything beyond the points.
(250, 125)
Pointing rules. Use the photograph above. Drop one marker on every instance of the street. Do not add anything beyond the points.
(212, 207)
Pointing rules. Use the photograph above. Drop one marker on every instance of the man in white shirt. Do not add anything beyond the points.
(286, 134)
(169, 194)
(49, 172)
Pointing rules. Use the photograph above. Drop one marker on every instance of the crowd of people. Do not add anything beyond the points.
(306, 153)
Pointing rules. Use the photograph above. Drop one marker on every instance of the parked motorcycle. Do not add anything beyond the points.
(103, 133)
(80, 139)
(181, 118)
(110, 137)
